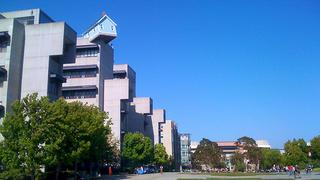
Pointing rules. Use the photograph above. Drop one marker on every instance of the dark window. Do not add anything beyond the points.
(80, 73)
(26, 20)
(119, 74)
(87, 52)
(79, 94)
(4, 41)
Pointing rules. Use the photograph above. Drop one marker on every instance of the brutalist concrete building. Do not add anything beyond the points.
(33, 49)
(93, 64)
(38, 55)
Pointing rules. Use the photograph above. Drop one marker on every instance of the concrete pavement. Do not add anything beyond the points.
(174, 176)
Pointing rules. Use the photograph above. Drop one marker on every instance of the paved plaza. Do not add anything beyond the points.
(174, 176)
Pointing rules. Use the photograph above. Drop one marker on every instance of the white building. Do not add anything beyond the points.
(170, 139)
(193, 146)
(263, 144)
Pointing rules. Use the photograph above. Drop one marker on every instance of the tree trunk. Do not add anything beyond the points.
(75, 170)
(58, 171)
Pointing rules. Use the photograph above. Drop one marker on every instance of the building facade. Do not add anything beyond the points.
(185, 141)
(170, 139)
(35, 48)
(29, 54)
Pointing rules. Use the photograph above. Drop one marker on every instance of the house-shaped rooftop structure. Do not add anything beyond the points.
(102, 30)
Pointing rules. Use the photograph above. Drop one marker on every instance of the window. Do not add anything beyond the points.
(79, 94)
(87, 52)
(80, 73)
(119, 74)
(4, 41)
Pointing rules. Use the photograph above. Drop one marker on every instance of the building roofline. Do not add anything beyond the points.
(98, 21)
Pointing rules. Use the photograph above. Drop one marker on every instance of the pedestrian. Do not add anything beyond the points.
(161, 169)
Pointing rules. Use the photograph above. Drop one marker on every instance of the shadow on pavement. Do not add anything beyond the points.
(116, 177)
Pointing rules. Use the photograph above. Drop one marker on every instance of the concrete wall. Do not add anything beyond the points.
(158, 116)
(42, 42)
(11, 60)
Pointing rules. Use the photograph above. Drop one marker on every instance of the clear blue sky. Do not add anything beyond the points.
(222, 69)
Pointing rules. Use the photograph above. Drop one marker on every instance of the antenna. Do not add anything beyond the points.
(103, 13)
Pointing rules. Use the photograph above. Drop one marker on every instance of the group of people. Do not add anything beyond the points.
(293, 170)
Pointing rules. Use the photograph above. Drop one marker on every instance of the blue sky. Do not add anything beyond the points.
(221, 68)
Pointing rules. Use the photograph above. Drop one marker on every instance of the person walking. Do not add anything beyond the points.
(161, 169)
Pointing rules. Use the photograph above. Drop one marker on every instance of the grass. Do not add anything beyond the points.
(316, 170)
(230, 179)
(239, 174)
(224, 179)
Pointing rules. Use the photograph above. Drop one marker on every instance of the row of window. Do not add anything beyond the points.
(80, 73)
(87, 52)
(79, 94)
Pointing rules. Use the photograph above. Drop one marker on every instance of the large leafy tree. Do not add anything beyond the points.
(315, 150)
(207, 153)
(137, 150)
(296, 153)
(237, 160)
(252, 152)
(41, 133)
(271, 157)
(160, 155)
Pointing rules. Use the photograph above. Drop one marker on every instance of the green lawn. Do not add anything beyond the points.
(239, 174)
(225, 179)
(316, 170)
(230, 179)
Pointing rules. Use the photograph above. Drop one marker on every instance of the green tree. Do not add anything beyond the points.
(270, 157)
(207, 153)
(39, 133)
(315, 150)
(22, 148)
(252, 152)
(160, 155)
(237, 160)
(296, 153)
(137, 150)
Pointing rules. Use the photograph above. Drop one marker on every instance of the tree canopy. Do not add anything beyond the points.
(238, 161)
(207, 153)
(160, 155)
(315, 150)
(270, 157)
(39, 133)
(296, 152)
(252, 152)
(137, 150)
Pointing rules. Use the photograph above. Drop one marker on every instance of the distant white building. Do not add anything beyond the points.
(193, 146)
(263, 144)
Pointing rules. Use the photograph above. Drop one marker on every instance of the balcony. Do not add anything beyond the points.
(120, 74)
(79, 92)
(57, 78)
(70, 68)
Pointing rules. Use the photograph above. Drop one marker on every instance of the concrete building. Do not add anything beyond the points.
(170, 139)
(33, 48)
(93, 65)
(153, 125)
(185, 142)
(118, 93)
